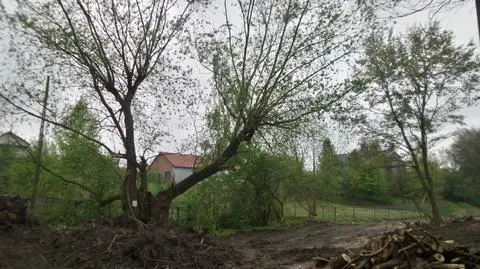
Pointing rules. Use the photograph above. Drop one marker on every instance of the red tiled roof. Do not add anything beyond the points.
(182, 160)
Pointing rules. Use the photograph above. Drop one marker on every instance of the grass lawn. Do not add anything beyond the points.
(347, 213)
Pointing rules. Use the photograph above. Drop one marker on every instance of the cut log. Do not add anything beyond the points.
(320, 262)
(340, 261)
(389, 264)
(448, 266)
(438, 257)
(404, 250)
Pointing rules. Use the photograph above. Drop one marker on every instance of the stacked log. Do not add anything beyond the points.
(402, 249)
(13, 210)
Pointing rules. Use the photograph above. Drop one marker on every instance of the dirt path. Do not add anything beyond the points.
(295, 247)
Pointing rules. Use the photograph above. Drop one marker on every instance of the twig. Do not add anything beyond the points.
(410, 236)
(369, 254)
(140, 223)
(433, 238)
(407, 248)
(43, 258)
(113, 240)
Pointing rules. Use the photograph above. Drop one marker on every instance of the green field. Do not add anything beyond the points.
(350, 214)
(344, 213)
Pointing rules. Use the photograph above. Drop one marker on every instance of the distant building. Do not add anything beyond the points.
(174, 166)
(11, 141)
(392, 162)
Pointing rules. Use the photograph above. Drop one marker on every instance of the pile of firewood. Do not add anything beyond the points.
(402, 249)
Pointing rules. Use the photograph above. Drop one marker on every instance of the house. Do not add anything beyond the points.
(391, 161)
(11, 141)
(174, 166)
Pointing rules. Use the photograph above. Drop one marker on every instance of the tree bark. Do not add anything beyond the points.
(159, 209)
(160, 204)
(40, 146)
(436, 218)
(143, 200)
(129, 201)
(217, 165)
(477, 6)
(430, 184)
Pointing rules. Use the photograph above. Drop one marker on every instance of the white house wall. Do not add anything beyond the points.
(180, 174)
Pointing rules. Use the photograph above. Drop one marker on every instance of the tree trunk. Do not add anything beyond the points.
(144, 202)
(430, 184)
(159, 209)
(477, 6)
(160, 204)
(314, 208)
(436, 218)
(40, 146)
(130, 202)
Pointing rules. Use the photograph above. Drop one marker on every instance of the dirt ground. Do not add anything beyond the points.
(96, 246)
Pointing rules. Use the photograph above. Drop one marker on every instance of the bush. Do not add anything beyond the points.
(72, 213)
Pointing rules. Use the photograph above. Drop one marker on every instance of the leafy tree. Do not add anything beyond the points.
(330, 172)
(463, 183)
(417, 84)
(81, 160)
(405, 8)
(261, 186)
(253, 193)
(7, 158)
(10, 161)
(365, 174)
(210, 203)
(274, 70)
(112, 49)
(76, 178)
(307, 191)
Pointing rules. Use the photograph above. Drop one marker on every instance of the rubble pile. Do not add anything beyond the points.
(13, 210)
(403, 249)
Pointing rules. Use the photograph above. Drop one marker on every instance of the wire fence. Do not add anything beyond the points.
(344, 213)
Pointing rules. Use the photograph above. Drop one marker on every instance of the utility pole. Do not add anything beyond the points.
(477, 7)
(40, 145)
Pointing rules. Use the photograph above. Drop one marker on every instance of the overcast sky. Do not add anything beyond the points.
(462, 21)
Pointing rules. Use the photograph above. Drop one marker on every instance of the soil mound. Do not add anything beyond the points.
(97, 246)
(13, 210)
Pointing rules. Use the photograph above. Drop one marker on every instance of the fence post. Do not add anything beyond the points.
(294, 209)
(178, 213)
(189, 212)
(374, 214)
(334, 214)
(388, 213)
(323, 212)
(353, 213)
